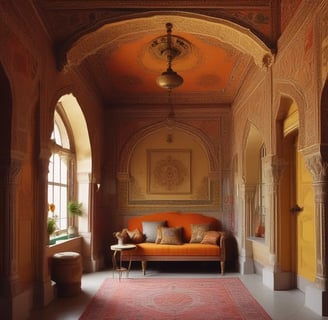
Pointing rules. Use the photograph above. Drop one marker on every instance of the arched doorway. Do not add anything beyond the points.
(296, 235)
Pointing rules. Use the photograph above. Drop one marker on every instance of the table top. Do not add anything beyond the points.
(122, 247)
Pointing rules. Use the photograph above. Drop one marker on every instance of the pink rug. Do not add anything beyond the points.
(157, 299)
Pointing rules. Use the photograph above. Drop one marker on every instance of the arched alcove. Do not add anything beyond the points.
(177, 147)
(253, 173)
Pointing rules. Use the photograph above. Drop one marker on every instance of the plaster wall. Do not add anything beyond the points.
(202, 137)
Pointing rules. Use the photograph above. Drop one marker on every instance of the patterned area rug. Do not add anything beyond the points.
(158, 299)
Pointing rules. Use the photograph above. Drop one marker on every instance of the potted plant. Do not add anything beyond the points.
(74, 209)
(51, 226)
(51, 221)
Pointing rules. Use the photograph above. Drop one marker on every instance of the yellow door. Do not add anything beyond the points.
(305, 221)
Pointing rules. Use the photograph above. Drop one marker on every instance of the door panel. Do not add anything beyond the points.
(306, 266)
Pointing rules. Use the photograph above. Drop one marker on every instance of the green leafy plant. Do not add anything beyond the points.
(51, 225)
(75, 208)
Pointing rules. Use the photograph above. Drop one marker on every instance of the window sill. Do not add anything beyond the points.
(70, 244)
(62, 239)
(257, 239)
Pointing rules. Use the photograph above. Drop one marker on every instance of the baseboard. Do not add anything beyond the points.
(316, 300)
(277, 280)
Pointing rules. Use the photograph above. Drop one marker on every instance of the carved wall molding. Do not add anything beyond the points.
(223, 30)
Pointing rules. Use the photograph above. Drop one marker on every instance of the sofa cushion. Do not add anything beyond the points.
(135, 236)
(149, 229)
(166, 235)
(175, 219)
(198, 231)
(211, 237)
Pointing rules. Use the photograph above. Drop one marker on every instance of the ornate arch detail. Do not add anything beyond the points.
(108, 32)
(290, 90)
(247, 130)
(52, 106)
(129, 147)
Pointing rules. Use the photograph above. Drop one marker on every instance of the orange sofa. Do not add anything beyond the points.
(201, 250)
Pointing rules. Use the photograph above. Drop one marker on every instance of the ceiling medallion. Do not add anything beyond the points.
(169, 79)
(180, 47)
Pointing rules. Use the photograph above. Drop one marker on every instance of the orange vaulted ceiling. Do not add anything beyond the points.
(108, 43)
(134, 69)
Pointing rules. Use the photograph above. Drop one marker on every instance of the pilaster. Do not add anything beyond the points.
(273, 277)
(86, 193)
(246, 262)
(10, 284)
(316, 296)
(44, 292)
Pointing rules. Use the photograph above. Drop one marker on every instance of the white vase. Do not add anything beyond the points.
(72, 231)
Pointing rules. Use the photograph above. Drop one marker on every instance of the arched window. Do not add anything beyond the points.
(61, 172)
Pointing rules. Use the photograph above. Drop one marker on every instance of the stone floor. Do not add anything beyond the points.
(280, 305)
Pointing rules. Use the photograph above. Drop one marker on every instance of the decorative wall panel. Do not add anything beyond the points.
(169, 171)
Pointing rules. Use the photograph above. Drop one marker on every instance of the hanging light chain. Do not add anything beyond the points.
(169, 45)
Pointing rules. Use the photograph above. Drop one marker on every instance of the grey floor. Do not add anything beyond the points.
(279, 305)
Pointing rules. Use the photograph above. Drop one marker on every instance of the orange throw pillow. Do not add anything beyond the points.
(198, 232)
(211, 237)
(136, 236)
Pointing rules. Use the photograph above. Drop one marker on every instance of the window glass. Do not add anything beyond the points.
(60, 169)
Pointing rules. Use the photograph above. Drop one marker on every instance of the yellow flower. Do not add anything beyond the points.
(52, 207)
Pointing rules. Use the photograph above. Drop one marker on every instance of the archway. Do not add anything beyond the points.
(223, 30)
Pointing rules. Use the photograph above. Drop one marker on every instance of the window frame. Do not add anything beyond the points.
(67, 156)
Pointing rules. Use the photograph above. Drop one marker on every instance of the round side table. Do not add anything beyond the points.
(120, 249)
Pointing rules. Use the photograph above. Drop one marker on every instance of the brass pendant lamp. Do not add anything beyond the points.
(169, 79)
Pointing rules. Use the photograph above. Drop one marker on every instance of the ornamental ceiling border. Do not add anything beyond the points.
(230, 33)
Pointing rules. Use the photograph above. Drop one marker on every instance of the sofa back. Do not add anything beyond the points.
(175, 219)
